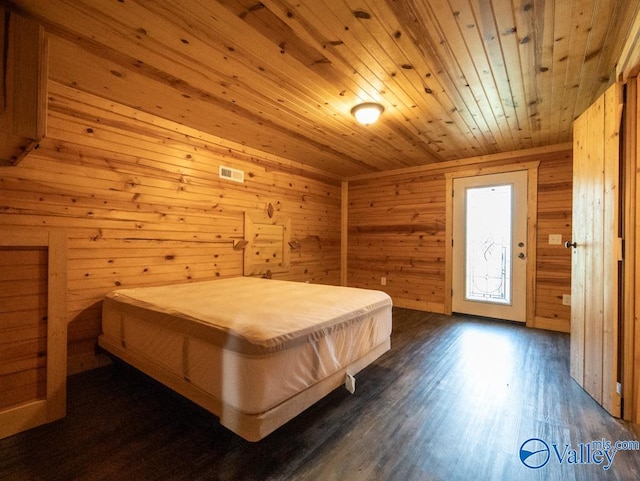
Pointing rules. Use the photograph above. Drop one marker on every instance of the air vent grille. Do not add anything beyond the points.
(234, 175)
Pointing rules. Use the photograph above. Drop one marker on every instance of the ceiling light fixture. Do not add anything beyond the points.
(367, 113)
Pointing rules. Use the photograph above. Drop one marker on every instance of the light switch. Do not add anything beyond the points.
(555, 239)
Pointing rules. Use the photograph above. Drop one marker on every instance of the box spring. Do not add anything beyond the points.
(255, 352)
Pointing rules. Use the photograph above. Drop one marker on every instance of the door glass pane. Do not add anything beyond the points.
(488, 251)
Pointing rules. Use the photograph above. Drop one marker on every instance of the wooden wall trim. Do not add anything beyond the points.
(633, 362)
(629, 62)
(418, 305)
(517, 155)
(344, 233)
(57, 326)
(448, 239)
(549, 324)
(532, 250)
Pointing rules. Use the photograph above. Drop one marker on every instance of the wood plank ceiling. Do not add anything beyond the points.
(457, 78)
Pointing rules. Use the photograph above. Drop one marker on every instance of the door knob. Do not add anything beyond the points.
(569, 245)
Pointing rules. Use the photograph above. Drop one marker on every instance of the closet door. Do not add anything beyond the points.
(596, 251)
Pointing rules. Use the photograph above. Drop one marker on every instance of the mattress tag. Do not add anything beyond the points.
(350, 383)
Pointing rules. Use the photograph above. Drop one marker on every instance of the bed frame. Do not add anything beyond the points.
(252, 427)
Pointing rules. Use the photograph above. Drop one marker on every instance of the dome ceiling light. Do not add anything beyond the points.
(367, 113)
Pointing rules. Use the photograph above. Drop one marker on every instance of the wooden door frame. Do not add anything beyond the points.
(532, 222)
(28, 415)
(627, 70)
(631, 260)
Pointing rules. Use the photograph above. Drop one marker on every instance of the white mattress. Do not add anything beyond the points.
(252, 343)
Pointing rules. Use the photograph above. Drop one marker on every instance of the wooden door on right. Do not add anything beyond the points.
(596, 250)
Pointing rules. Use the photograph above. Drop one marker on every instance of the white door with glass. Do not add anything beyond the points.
(489, 245)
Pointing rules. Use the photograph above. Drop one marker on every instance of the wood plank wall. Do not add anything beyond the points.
(553, 269)
(141, 202)
(397, 231)
(23, 324)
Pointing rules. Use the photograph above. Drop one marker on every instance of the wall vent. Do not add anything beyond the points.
(234, 175)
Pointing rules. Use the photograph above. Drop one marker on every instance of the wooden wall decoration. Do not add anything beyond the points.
(268, 238)
(33, 328)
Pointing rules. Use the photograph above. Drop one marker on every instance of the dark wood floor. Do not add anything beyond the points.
(454, 399)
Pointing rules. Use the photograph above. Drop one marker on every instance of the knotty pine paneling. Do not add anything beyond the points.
(397, 231)
(140, 200)
(553, 266)
(457, 79)
(23, 324)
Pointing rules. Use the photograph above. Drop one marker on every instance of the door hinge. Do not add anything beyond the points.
(620, 248)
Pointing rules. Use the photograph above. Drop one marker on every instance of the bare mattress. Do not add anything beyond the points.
(255, 352)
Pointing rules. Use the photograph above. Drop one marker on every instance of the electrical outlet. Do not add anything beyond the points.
(566, 299)
(350, 383)
(383, 281)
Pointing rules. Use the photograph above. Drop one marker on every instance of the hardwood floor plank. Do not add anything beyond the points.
(454, 399)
